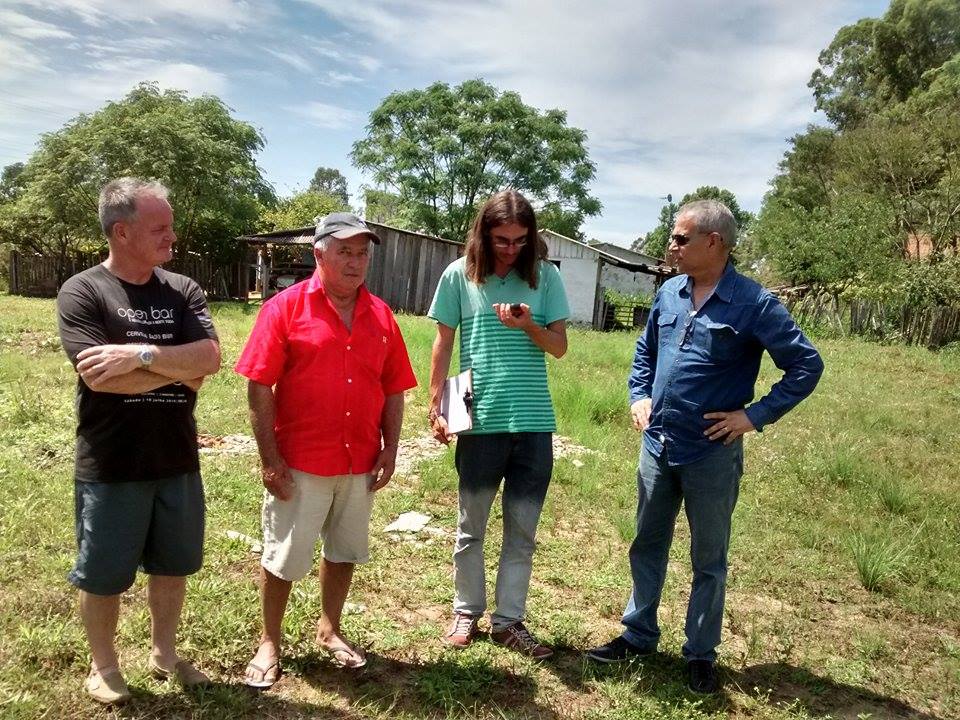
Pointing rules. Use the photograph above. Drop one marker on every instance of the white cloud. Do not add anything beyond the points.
(672, 96)
(335, 79)
(363, 62)
(26, 27)
(329, 117)
(18, 59)
(230, 13)
(136, 46)
(295, 61)
(120, 75)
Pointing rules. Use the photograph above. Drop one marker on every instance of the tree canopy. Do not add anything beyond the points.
(878, 62)
(852, 202)
(443, 150)
(330, 181)
(204, 156)
(299, 210)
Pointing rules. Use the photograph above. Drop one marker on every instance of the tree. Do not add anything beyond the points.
(330, 181)
(192, 145)
(656, 241)
(807, 170)
(552, 216)
(11, 182)
(878, 62)
(638, 244)
(443, 150)
(387, 208)
(299, 210)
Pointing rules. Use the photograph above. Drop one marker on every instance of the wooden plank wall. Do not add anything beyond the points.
(406, 268)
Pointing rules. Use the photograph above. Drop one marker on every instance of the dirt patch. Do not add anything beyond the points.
(409, 454)
(413, 450)
(227, 444)
(32, 342)
(564, 447)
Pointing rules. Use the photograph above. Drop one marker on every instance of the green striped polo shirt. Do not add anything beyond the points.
(509, 372)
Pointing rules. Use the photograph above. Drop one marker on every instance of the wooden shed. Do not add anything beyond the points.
(404, 269)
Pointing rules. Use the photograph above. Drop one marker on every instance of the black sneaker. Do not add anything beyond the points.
(619, 650)
(702, 677)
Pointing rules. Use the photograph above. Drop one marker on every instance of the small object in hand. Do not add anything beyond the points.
(516, 310)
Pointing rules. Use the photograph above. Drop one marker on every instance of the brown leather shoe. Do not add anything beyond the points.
(463, 629)
(517, 637)
(109, 688)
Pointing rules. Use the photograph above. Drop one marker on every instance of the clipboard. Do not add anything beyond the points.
(456, 403)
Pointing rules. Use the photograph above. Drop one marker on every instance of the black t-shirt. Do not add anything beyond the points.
(151, 435)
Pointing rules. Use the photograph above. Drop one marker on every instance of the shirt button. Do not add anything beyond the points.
(349, 380)
(662, 438)
(348, 413)
(348, 347)
(346, 445)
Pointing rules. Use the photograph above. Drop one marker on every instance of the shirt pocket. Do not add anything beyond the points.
(666, 328)
(369, 351)
(723, 341)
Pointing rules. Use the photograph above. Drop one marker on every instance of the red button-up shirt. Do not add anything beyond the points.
(331, 383)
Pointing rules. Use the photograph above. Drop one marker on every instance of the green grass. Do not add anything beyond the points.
(843, 595)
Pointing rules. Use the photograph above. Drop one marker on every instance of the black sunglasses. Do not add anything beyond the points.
(682, 240)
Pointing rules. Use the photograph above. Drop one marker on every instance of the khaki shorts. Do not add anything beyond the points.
(335, 509)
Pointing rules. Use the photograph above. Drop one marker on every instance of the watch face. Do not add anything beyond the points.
(146, 357)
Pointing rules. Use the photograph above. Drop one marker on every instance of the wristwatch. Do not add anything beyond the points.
(146, 356)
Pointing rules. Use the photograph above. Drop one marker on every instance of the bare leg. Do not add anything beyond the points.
(274, 593)
(99, 614)
(165, 595)
(335, 578)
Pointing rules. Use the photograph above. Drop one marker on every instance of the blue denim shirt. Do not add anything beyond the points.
(695, 362)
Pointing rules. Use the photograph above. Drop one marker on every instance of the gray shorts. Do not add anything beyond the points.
(156, 525)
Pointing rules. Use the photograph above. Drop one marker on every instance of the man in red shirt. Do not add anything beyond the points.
(327, 368)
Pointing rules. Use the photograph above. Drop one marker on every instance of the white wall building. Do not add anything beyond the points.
(587, 269)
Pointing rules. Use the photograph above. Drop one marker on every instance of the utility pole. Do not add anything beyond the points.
(669, 199)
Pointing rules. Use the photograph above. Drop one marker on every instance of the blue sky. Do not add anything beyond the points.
(672, 95)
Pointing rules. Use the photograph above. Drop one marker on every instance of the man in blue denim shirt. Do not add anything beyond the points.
(691, 389)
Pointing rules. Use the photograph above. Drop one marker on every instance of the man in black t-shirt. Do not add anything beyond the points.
(142, 341)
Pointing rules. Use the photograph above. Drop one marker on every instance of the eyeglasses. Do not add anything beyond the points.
(504, 244)
(682, 240)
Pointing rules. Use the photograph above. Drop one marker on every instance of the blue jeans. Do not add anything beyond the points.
(524, 461)
(708, 489)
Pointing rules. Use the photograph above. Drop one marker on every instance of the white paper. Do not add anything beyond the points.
(457, 402)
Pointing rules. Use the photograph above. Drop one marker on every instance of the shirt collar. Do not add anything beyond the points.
(724, 287)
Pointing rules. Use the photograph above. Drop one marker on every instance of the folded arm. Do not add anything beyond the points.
(101, 366)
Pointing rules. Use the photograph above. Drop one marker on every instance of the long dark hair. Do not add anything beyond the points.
(503, 208)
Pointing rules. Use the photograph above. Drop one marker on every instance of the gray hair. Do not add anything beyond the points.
(712, 216)
(118, 200)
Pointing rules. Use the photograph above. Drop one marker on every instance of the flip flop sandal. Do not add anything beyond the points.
(263, 683)
(185, 673)
(345, 657)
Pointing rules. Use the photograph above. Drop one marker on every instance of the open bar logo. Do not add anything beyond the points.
(150, 317)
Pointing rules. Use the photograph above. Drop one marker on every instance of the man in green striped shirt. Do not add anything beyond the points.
(511, 308)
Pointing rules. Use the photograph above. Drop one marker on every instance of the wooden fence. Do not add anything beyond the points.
(621, 315)
(931, 327)
(41, 276)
